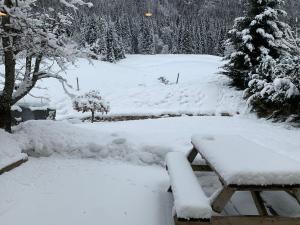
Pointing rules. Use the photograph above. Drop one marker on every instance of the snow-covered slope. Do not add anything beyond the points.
(132, 86)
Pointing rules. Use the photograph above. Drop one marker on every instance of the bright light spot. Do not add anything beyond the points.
(148, 14)
(3, 14)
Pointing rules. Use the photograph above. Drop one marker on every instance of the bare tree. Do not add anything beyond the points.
(30, 36)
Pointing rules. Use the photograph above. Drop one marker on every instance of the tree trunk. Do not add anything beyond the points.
(10, 63)
(5, 117)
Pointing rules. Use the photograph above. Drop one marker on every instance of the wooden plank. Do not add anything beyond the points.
(203, 168)
(180, 221)
(222, 198)
(12, 166)
(259, 203)
(273, 187)
(192, 155)
(254, 220)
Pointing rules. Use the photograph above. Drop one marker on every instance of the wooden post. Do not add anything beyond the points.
(177, 78)
(77, 83)
(221, 200)
(192, 155)
(259, 203)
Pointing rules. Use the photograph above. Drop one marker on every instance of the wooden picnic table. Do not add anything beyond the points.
(239, 169)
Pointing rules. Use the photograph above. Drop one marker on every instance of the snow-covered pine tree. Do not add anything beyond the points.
(146, 37)
(110, 53)
(92, 31)
(124, 31)
(274, 84)
(118, 48)
(99, 47)
(257, 35)
(115, 49)
(187, 45)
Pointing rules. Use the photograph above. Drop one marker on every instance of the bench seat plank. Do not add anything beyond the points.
(239, 161)
(190, 201)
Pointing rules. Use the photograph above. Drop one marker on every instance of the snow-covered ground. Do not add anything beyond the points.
(113, 172)
(132, 86)
(73, 187)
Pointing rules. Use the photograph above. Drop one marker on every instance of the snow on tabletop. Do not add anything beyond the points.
(189, 198)
(10, 150)
(243, 162)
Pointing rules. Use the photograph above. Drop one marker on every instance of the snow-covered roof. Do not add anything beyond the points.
(243, 162)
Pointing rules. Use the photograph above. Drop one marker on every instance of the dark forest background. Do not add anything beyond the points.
(176, 27)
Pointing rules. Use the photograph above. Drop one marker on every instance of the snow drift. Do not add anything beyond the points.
(10, 149)
(48, 138)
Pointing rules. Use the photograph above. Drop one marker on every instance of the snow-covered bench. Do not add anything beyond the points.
(241, 165)
(190, 202)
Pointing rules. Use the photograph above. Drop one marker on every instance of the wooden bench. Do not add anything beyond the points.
(235, 161)
(189, 199)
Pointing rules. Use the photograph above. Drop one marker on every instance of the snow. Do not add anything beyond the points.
(113, 172)
(189, 199)
(47, 138)
(10, 150)
(69, 190)
(77, 192)
(132, 86)
(243, 162)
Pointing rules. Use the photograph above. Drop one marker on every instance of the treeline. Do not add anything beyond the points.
(111, 28)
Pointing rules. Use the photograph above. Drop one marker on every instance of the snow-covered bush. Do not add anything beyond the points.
(275, 88)
(91, 102)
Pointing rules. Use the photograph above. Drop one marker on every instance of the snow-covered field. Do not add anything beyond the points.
(113, 172)
(132, 86)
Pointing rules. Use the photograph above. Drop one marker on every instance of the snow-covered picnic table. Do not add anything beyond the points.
(241, 165)
(243, 162)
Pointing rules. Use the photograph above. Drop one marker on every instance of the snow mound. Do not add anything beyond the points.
(47, 138)
(10, 150)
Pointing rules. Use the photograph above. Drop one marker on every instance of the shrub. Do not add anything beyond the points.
(91, 102)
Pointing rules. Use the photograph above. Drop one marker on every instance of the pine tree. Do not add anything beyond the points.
(257, 35)
(99, 47)
(92, 31)
(187, 45)
(115, 49)
(273, 88)
(146, 38)
(119, 50)
(110, 53)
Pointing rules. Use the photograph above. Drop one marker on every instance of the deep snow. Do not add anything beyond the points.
(112, 172)
(70, 191)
